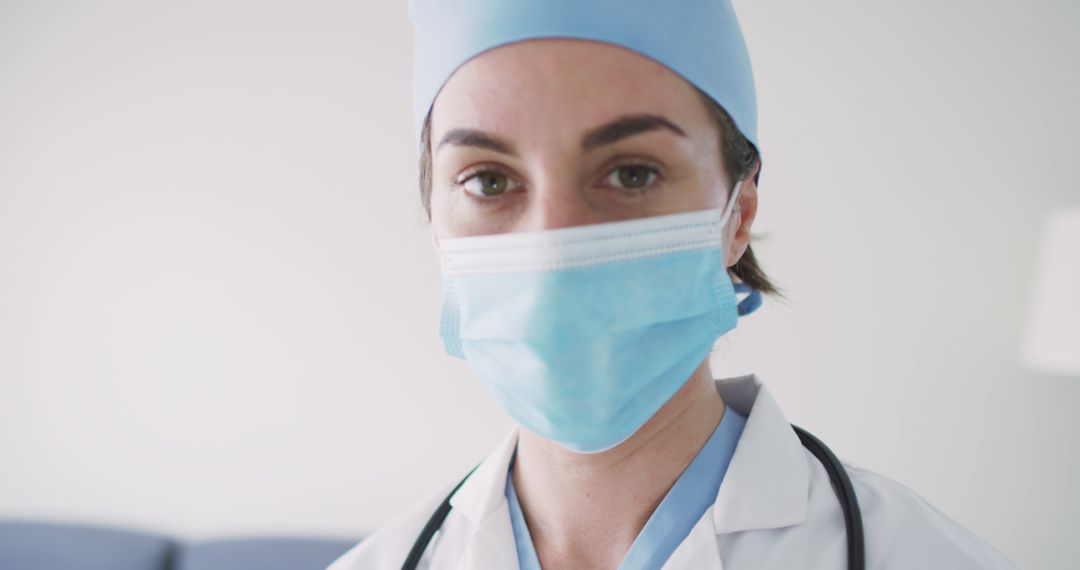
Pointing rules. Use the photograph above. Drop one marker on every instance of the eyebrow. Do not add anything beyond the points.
(478, 139)
(608, 133)
(627, 126)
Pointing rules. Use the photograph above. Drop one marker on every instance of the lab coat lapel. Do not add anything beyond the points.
(767, 484)
(491, 546)
(699, 549)
(482, 501)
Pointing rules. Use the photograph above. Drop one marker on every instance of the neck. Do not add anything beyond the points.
(585, 510)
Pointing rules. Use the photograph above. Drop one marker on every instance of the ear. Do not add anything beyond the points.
(738, 229)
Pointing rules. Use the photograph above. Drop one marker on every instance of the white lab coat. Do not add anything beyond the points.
(775, 510)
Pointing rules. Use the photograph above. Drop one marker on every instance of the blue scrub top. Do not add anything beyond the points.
(692, 494)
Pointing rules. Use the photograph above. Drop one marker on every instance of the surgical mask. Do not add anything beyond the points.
(582, 333)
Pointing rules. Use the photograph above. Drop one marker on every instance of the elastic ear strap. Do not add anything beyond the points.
(434, 239)
(732, 200)
(751, 302)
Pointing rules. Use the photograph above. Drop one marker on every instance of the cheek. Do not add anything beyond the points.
(697, 188)
(453, 216)
(703, 194)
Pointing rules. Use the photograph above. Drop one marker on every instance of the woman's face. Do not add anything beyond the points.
(553, 133)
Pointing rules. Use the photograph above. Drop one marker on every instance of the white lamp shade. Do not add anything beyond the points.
(1052, 342)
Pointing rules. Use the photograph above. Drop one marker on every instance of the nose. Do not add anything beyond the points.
(558, 204)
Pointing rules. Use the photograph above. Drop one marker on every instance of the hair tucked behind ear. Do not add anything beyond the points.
(737, 153)
(739, 156)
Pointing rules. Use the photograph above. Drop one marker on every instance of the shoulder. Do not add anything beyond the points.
(391, 543)
(903, 530)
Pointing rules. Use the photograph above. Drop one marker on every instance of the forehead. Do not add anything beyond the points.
(561, 86)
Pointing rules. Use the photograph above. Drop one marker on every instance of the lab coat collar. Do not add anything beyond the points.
(767, 484)
(485, 490)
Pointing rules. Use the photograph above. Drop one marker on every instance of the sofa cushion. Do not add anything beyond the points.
(31, 545)
(264, 553)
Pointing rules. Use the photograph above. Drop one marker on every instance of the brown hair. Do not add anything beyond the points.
(737, 153)
(739, 156)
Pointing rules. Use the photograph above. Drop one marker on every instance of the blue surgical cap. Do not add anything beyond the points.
(698, 39)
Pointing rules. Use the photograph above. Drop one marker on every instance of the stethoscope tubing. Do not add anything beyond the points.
(838, 477)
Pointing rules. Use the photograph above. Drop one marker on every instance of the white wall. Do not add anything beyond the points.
(218, 298)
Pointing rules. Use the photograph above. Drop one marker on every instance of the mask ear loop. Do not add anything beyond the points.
(729, 207)
(752, 300)
(434, 239)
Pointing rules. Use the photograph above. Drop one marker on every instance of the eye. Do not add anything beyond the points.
(488, 183)
(633, 176)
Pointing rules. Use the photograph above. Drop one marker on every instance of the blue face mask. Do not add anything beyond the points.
(583, 333)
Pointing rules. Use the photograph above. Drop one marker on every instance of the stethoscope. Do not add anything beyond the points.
(841, 484)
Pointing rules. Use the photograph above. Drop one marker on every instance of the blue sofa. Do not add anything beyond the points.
(34, 545)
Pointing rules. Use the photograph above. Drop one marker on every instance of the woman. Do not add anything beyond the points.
(590, 171)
